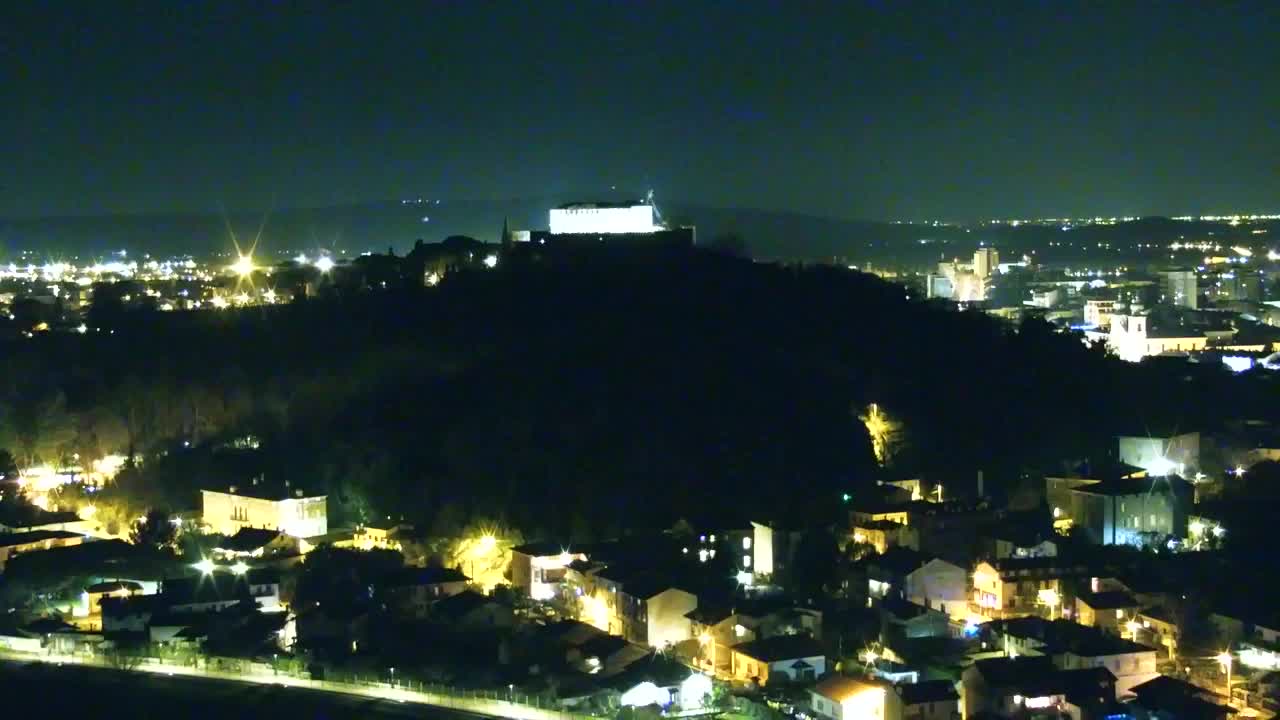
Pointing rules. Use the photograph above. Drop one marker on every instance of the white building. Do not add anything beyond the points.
(985, 262)
(269, 507)
(1161, 455)
(1131, 338)
(604, 218)
(1097, 313)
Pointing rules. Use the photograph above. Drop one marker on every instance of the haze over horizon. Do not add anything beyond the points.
(861, 112)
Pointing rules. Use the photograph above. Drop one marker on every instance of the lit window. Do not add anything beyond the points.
(1120, 614)
(746, 561)
(746, 543)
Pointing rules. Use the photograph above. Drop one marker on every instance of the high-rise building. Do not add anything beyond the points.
(1180, 288)
(985, 262)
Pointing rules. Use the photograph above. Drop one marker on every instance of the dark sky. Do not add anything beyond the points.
(878, 110)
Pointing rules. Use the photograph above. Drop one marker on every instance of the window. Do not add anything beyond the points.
(746, 543)
(1152, 518)
(746, 561)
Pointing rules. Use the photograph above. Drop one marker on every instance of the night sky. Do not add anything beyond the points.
(880, 110)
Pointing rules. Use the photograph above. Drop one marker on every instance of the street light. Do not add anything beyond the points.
(1225, 660)
(1050, 597)
(1133, 626)
(243, 266)
(240, 568)
(393, 677)
(205, 566)
(706, 638)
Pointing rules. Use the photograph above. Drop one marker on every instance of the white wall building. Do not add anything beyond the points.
(1131, 339)
(289, 510)
(603, 218)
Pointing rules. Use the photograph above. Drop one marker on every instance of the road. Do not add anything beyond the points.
(75, 691)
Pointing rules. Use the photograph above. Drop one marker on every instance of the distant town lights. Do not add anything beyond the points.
(243, 266)
(324, 263)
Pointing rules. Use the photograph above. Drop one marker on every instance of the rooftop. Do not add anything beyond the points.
(412, 576)
(248, 539)
(927, 692)
(1111, 600)
(275, 491)
(839, 688)
(1037, 676)
(781, 647)
(127, 586)
(34, 536)
(1065, 636)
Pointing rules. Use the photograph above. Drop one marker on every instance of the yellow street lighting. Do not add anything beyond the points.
(240, 568)
(243, 266)
(1225, 660)
(205, 566)
(324, 263)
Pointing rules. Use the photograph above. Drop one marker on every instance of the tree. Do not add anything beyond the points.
(155, 530)
(8, 466)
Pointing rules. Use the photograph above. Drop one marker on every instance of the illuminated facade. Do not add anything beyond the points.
(539, 569)
(843, 698)
(603, 218)
(257, 506)
(1131, 338)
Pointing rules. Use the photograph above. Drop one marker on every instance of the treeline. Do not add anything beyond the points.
(586, 398)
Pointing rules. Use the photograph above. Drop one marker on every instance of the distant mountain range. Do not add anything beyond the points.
(769, 235)
(375, 227)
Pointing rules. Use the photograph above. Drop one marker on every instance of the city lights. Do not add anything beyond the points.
(324, 263)
(240, 568)
(243, 266)
(205, 566)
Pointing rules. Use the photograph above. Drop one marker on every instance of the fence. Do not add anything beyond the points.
(509, 704)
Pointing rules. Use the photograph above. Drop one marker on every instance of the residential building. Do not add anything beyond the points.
(1097, 313)
(1019, 586)
(885, 534)
(250, 542)
(1110, 611)
(412, 590)
(644, 607)
(1165, 697)
(920, 578)
(1074, 646)
(903, 618)
(1012, 687)
(785, 657)
(265, 506)
(1159, 628)
(35, 540)
(538, 569)
(985, 262)
(929, 700)
(1180, 288)
(1131, 511)
(469, 610)
(1161, 454)
(838, 697)
(378, 537)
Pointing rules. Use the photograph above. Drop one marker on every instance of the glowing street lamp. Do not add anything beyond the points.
(1050, 598)
(243, 266)
(324, 263)
(1133, 626)
(205, 566)
(240, 568)
(1225, 660)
